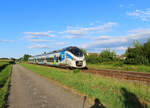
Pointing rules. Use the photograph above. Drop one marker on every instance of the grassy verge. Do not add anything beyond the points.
(5, 71)
(111, 92)
(136, 68)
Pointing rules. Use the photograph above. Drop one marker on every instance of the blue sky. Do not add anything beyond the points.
(35, 26)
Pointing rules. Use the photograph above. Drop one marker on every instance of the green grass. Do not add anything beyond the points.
(115, 66)
(5, 71)
(112, 93)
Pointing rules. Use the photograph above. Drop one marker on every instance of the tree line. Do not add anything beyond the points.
(137, 54)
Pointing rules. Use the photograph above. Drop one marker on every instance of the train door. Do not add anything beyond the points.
(54, 60)
(62, 57)
(68, 59)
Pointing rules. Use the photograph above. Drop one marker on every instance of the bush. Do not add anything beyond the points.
(136, 55)
(76, 70)
(107, 56)
(119, 63)
(93, 59)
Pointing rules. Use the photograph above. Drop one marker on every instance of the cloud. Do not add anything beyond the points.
(126, 6)
(101, 37)
(5, 41)
(121, 48)
(92, 24)
(40, 40)
(70, 36)
(37, 46)
(50, 31)
(36, 33)
(76, 31)
(137, 34)
(31, 37)
(117, 41)
(143, 15)
(75, 36)
(62, 43)
(56, 44)
(39, 34)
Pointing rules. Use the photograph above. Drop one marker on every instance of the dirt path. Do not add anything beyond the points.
(29, 90)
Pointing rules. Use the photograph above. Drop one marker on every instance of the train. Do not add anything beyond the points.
(71, 57)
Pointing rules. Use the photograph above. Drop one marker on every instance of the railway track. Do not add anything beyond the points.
(138, 76)
(134, 76)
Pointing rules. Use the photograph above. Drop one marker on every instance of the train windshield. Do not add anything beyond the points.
(76, 51)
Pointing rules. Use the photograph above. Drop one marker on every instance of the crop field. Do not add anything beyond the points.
(112, 93)
(115, 66)
(5, 71)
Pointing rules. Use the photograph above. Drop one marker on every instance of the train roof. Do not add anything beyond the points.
(56, 51)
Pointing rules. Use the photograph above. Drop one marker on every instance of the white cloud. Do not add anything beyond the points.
(62, 43)
(126, 6)
(85, 30)
(140, 33)
(5, 41)
(91, 24)
(50, 31)
(39, 34)
(70, 36)
(121, 48)
(31, 37)
(37, 46)
(73, 32)
(40, 40)
(51, 35)
(101, 37)
(75, 36)
(117, 41)
(144, 15)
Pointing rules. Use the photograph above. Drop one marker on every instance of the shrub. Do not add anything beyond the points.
(107, 56)
(136, 55)
(119, 63)
(76, 70)
(93, 59)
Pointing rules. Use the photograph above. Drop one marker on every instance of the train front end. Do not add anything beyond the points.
(75, 58)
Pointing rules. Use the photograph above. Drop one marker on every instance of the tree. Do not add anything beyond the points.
(92, 58)
(26, 57)
(107, 56)
(146, 47)
(137, 54)
(83, 51)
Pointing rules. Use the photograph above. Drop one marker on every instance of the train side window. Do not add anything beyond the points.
(57, 59)
(51, 59)
(48, 59)
(60, 57)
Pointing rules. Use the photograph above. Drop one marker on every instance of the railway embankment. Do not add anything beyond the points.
(111, 92)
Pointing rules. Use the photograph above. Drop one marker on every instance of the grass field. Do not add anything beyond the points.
(5, 71)
(111, 92)
(136, 68)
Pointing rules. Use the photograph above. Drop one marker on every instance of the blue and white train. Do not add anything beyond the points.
(68, 57)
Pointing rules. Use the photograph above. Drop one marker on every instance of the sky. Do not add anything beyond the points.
(37, 26)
